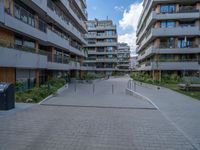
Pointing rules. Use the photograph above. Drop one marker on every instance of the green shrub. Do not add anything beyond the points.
(37, 94)
(92, 76)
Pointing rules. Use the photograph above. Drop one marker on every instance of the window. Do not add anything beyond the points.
(168, 24)
(109, 40)
(17, 11)
(18, 41)
(183, 43)
(167, 8)
(167, 43)
(109, 33)
(110, 49)
(30, 44)
(110, 56)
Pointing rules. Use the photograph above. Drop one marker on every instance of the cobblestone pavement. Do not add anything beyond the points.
(95, 126)
(184, 111)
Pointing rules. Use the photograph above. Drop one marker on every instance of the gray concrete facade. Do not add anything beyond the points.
(153, 36)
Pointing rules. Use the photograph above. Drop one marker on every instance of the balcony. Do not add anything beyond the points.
(101, 52)
(188, 9)
(165, 48)
(178, 31)
(106, 60)
(101, 36)
(171, 65)
(87, 68)
(58, 66)
(102, 44)
(21, 57)
(84, 12)
(166, 32)
(80, 22)
(99, 28)
(54, 12)
(193, 13)
(75, 65)
(106, 69)
(191, 65)
(21, 24)
(58, 41)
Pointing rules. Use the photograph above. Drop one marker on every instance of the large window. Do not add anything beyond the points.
(20, 41)
(167, 42)
(184, 43)
(168, 24)
(168, 8)
(110, 49)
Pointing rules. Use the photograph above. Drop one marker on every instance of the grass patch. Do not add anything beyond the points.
(193, 94)
(170, 82)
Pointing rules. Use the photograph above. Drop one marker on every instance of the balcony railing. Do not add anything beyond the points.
(178, 60)
(173, 45)
(23, 15)
(22, 48)
(188, 9)
(62, 15)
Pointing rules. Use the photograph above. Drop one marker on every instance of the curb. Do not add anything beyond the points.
(59, 91)
(147, 85)
(138, 95)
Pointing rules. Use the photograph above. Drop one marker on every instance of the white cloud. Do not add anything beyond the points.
(119, 8)
(130, 20)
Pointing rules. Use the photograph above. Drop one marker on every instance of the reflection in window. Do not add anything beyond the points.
(168, 24)
(30, 44)
(167, 8)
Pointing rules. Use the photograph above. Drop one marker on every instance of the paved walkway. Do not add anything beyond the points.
(87, 121)
(184, 111)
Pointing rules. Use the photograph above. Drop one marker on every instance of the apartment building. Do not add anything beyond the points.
(168, 38)
(102, 46)
(123, 58)
(41, 39)
(133, 63)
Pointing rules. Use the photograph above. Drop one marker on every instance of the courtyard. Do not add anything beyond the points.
(101, 116)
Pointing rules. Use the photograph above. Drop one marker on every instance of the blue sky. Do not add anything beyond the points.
(124, 13)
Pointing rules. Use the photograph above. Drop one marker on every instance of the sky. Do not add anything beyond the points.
(124, 13)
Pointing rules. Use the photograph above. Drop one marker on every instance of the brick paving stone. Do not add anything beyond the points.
(44, 127)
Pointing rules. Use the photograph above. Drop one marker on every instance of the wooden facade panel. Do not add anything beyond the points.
(7, 75)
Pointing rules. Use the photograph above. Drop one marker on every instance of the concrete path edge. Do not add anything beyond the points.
(59, 91)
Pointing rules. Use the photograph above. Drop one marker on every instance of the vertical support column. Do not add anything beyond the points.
(177, 7)
(198, 6)
(157, 9)
(37, 78)
(153, 75)
(37, 47)
(37, 70)
(160, 75)
(52, 54)
(62, 57)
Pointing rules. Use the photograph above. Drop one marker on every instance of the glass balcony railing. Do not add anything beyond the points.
(188, 9)
(173, 45)
(22, 48)
(25, 16)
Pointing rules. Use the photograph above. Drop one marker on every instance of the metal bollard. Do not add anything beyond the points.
(112, 89)
(134, 86)
(93, 88)
(75, 87)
